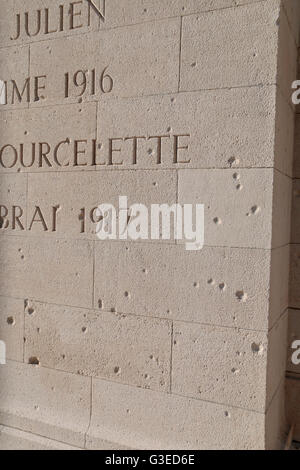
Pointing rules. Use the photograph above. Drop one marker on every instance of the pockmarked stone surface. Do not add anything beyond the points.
(167, 327)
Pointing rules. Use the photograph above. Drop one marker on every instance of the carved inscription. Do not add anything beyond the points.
(115, 151)
(65, 17)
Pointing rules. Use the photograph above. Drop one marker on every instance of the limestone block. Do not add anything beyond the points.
(213, 124)
(144, 419)
(124, 12)
(14, 65)
(295, 277)
(12, 327)
(293, 403)
(239, 212)
(218, 364)
(14, 439)
(123, 348)
(45, 19)
(238, 47)
(52, 404)
(295, 232)
(77, 216)
(45, 140)
(132, 61)
(57, 271)
(218, 286)
(294, 335)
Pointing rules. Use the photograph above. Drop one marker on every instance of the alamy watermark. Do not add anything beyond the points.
(159, 222)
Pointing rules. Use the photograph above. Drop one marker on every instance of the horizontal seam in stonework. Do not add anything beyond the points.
(31, 106)
(153, 20)
(291, 375)
(137, 315)
(162, 243)
(40, 435)
(149, 390)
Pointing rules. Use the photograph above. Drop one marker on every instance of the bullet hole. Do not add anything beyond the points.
(79, 100)
(255, 209)
(194, 64)
(175, 342)
(113, 310)
(233, 161)
(235, 371)
(145, 271)
(196, 284)
(210, 281)
(257, 348)
(38, 330)
(147, 376)
(145, 10)
(155, 184)
(239, 187)
(30, 311)
(34, 361)
(117, 370)
(26, 133)
(241, 296)
(236, 176)
(128, 411)
(10, 320)
(169, 129)
(217, 221)
(100, 303)
(84, 329)
(150, 152)
(36, 407)
(173, 100)
(222, 286)
(127, 295)
(277, 21)
(22, 257)
(227, 414)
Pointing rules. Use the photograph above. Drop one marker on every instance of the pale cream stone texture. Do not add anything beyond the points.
(143, 419)
(231, 47)
(14, 439)
(48, 127)
(83, 19)
(141, 60)
(14, 65)
(221, 124)
(294, 335)
(218, 364)
(218, 286)
(49, 403)
(122, 348)
(238, 205)
(279, 283)
(12, 327)
(50, 270)
(93, 189)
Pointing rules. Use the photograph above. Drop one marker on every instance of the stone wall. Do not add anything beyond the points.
(143, 344)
